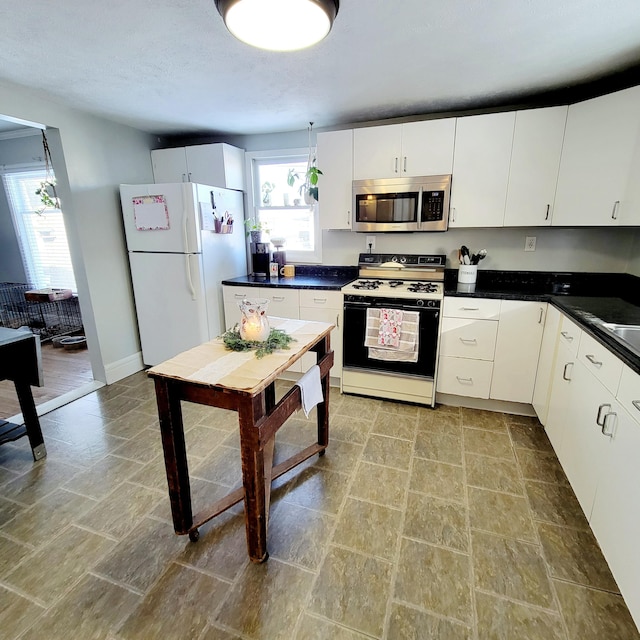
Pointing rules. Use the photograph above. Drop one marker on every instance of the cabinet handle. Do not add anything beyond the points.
(395, 166)
(609, 434)
(469, 308)
(547, 214)
(599, 416)
(184, 177)
(592, 360)
(452, 214)
(614, 212)
(541, 314)
(404, 167)
(320, 300)
(337, 320)
(277, 298)
(469, 340)
(566, 336)
(348, 218)
(189, 174)
(564, 372)
(239, 296)
(464, 380)
(636, 404)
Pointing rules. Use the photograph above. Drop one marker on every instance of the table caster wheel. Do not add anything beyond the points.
(194, 535)
(321, 453)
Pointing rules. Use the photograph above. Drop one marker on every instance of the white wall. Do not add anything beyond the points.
(91, 157)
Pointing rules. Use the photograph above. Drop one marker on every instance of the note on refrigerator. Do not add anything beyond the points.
(150, 213)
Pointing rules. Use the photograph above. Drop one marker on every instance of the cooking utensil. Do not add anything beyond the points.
(465, 254)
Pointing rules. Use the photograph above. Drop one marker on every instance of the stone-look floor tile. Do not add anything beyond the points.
(102, 477)
(9, 510)
(436, 521)
(542, 466)
(369, 528)
(72, 553)
(389, 452)
(300, 431)
(352, 589)
(46, 518)
(511, 568)
(501, 513)
(7, 476)
(438, 479)
(11, 553)
(118, 407)
(500, 619)
(441, 445)
(83, 453)
(131, 424)
(440, 422)
(594, 615)
(43, 478)
(314, 628)
(256, 606)
(381, 485)
(395, 425)
(17, 613)
(222, 548)
(575, 556)
(488, 443)
(215, 633)
(139, 559)
(298, 535)
(435, 579)
(118, 513)
(530, 421)
(555, 503)
(92, 609)
(319, 489)
(106, 393)
(348, 429)
(173, 608)
(491, 473)
(223, 466)
(201, 441)
(530, 436)
(143, 447)
(152, 475)
(360, 408)
(340, 456)
(220, 419)
(400, 409)
(406, 623)
(481, 419)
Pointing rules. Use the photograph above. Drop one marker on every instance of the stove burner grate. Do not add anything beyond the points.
(422, 287)
(369, 285)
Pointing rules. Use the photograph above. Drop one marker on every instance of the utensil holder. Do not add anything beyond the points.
(467, 273)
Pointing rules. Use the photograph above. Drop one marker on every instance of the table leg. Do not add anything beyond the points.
(323, 407)
(31, 422)
(175, 457)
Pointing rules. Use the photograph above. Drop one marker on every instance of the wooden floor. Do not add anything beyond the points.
(63, 371)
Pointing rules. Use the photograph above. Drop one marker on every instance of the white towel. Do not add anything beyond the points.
(310, 389)
(407, 351)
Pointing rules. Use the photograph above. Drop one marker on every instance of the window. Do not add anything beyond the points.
(42, 237)
(281, 207)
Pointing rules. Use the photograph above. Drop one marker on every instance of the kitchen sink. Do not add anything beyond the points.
(629, 333)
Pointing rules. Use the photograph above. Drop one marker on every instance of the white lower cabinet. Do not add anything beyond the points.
(464, 376)
(546, 362)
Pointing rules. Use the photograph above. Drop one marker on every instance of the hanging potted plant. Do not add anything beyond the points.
(309, 190)
(47, 189)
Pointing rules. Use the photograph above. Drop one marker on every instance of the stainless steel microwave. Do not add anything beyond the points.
(402, 204)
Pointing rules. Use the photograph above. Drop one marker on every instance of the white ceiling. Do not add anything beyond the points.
(171, 67)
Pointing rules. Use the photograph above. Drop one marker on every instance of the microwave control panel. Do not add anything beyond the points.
(432, 206)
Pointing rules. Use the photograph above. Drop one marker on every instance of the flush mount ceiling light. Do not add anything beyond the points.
(279, 25)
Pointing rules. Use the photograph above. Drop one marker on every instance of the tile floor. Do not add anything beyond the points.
(416, 524)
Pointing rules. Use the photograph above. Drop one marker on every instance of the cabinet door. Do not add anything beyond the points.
(615, 518)
(481, 170)
(596, 158)
(561, 381)
(465, 338)
(169, 165)
(535, 162)
(630, 205)
(284, 303)
(517, 350)
(546, 362)
(427, 147)
(335, 158)
(333, 316)
(377, 152)
(218, 165)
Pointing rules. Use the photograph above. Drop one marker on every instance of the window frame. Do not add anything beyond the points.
(254, 201)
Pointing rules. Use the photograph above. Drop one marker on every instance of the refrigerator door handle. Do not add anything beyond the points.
(185, 233)
(189, 277)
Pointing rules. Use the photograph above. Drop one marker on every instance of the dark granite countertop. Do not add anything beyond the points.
(307, 277)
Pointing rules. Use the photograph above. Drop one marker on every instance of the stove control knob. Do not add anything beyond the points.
(394, 259)
(403, 260)
(420, 303)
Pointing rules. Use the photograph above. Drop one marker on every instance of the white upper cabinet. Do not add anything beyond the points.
(481, 170)
(599, 145)
(535, 161)
(422, 148)
(335, 159)
(630, 205)
(218, 165)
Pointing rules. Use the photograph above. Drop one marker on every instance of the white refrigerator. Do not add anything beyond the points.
(183, 239)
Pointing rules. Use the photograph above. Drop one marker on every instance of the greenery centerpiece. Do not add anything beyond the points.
(277, 339)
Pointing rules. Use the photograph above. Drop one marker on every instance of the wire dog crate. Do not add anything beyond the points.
(48, 319)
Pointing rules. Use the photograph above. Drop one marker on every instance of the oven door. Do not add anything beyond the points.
(356, 354)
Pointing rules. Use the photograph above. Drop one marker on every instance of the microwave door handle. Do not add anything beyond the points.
(419, 212)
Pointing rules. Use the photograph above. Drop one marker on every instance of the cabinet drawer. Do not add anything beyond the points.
(479, 308)
(321, 299)
(236, 294)
(629, 392)
(600, 361)
(468, 338)
(569, 335)
(464, 377)
(284, 303)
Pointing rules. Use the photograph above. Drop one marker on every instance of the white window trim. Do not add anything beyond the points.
(299, 257)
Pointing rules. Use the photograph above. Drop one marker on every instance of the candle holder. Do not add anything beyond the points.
(254, 324)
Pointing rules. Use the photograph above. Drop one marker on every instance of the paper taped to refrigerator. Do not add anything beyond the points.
(150, 213)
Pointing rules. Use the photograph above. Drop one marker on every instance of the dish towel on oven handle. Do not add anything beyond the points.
(389, 328)
(310, 389)
(407, 351)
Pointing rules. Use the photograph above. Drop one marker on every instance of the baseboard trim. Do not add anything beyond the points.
(516, 408)
(123, 368)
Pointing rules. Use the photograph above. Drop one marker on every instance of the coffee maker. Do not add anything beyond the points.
(260, 259)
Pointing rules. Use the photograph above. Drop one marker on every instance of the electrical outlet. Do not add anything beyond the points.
(371, 243)
(530, 243)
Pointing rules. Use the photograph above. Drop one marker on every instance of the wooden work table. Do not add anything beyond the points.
(210, 374)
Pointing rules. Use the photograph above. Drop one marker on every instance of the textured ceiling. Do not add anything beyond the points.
(170, 67)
